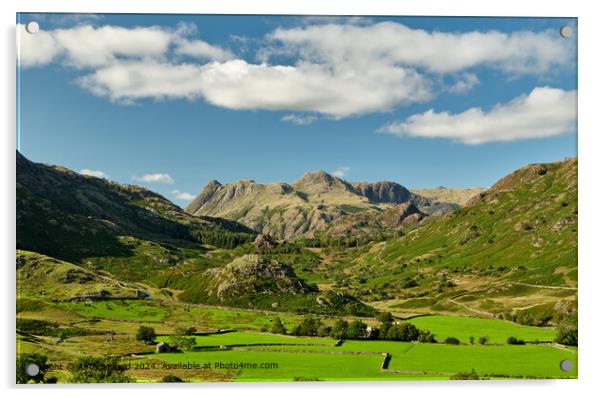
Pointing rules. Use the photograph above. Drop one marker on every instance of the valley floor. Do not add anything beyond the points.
(248, 355)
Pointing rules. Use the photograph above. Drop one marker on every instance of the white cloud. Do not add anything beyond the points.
(154, 178)
(336, 70)
(341, 172)
(128, 81)
(237, 84)
(464, 83)
(203, 50)
(35, 49)
(178, 195)
(96, 173)
(438, 52)
(299, 119)
(542, 113)
(87, 46)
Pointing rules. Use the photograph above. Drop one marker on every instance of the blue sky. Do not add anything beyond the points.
(457, 102)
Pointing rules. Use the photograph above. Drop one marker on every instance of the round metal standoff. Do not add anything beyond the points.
(32, 27)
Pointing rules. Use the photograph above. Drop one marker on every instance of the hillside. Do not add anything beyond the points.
(510, 251)
(70, 216)
(449, 195)
(42, 276)
(308, 205)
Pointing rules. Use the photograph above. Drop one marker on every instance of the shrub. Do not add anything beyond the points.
(357, 330)
(514, 341)
(171, 379)
(183, 342)
(483, 340)
(308, 327)
(472, 375)
(450, 340)
(99, 370)
(186, 331)
(426, 337)
(146, 334)
(278, 327)
(567, 335)
(339, 329)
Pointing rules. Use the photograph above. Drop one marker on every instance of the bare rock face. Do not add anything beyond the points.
(251, 275)
(383, 192)
(204, 196)
(405, 214)
(312, 203)
(263, 242)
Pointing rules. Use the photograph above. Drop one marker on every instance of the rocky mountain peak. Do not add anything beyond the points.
(383, 192)
(205, 196)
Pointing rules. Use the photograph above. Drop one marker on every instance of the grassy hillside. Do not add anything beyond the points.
(40, 276)
(71, 216)
(512, 248)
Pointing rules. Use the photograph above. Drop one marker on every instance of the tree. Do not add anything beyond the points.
(308, 327)
(426, 337)
(514, 341)
(324, 331)
(99, 370)
(385, 318)
(278, 327)
(146, 334)
(450, 340)
(183, 342)
(25, 360)
(567, 334)
(357, 330)
(339, 329)
(483, 340)
(471, 340)
(404, 332)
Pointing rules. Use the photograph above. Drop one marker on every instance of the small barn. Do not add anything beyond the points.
(163, 347)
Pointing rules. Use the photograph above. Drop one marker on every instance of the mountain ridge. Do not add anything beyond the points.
(307, 205)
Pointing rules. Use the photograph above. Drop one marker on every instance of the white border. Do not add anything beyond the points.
(590, 220)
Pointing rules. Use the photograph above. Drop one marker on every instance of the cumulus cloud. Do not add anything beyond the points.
(239, 85)
(438, 52)
(544, 112)
(179, 195)
(341, 172)
(203, 50)
(96, 173)
(335, 70)
(87, 46)
(154, 178)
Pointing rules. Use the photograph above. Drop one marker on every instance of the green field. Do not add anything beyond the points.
(243, 338)
(498, 331)
(361, 360)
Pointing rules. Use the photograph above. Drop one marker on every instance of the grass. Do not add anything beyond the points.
(119, 310)
(408, 360)
(498, 331)
(234, 338)
(289, 365)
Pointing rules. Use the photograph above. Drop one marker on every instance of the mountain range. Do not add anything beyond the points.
(310, 204)
(335, 246)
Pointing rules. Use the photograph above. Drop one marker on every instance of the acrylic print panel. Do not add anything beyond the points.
(292, 198)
